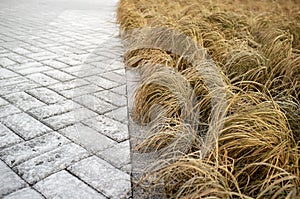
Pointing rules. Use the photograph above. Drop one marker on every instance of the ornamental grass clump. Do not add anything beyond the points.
(219, 91)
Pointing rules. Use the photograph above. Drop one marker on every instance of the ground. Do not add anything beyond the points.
(63, 104)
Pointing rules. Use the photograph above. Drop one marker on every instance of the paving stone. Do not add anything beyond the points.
(104, 83)
(40, 56)
(59, 75)
(54, 109)
(69, 118)
(121, 90)
(69, 61)
(3, 102)
(42, 79)
(79, 55)
(109, 127)
(88, 72)
(118, 155)
(95, 103)
(9, 181)
(127, 168)
(13, 88)
(32, 70)
(11, 81)
(24, 125)
(68, 85)
(32, 48)
(26, 193)
(87, 137)
(103, 177)
(4, 73)
(114, 98)
(46, 95)
(4, 62)
(18, 58)
(7, 137)
(78, 91)
(120, 72)
(75, 69)
(51, 162)
(21, 51)
(65, 185)
(119, 114)
(24, 151)
(55, 64)
(120, 79)
(31, 64)
(8, 110)
(116, 65)
(23, 101)
(104, 63)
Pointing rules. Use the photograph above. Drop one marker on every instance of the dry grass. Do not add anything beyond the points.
(229, 130)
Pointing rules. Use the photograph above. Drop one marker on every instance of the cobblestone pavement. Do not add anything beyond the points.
(63, 105)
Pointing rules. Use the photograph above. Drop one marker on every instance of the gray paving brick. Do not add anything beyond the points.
(94, 103)
(109, 127)
(23, 101)
(24, 151)
(121, 90)
(42, 79)
(9, 180)
(46, 95)
(4, 73)
(32, 70)
(119, 114)
(11, 81)
(120, 71)
(18, 59)
(55, 64)
(69, 118)
(68, 85)
(7, 137)
(88, 72)
(120, 79)
(26, 193)
(118, 155)
(69, 61)
(8, 110)
(78, 91)
(127, 168)
(116, 65)
(3, 102)
(31, 64)
(51, 162)
(39, 56)
(54, 109)
(87, 137)
(59, 75)
(103, 177)
(65, 185)
(4, 62)
(21, 51)
(75, 69)
(104, 83)
(114, 98)
(13, 88)
(24, 125)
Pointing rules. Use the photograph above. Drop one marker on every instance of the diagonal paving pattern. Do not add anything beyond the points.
(63, 103)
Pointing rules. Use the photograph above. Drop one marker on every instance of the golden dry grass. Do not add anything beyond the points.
(238, 137)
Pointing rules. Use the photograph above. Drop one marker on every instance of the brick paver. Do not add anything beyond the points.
(63, 101)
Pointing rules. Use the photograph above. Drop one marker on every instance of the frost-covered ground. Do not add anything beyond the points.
(63, 106)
